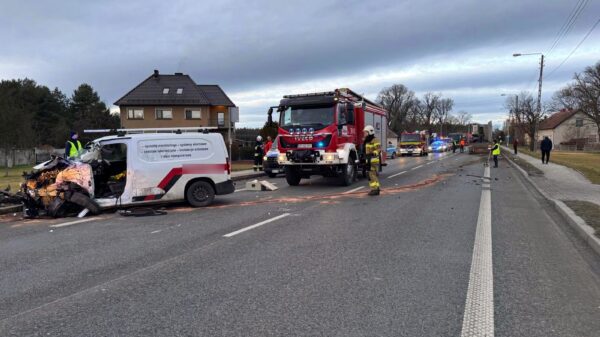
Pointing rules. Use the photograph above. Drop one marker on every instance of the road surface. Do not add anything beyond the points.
(448, 249)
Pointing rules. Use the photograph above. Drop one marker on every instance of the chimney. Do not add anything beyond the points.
(155, 73)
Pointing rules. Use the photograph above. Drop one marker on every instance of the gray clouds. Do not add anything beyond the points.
(269, 46)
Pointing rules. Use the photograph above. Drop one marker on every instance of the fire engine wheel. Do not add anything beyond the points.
(200, 193)
(348, 174)
(272, 175)
(292, 176)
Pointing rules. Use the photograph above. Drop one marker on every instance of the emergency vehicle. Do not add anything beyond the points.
(414, 143)
(135, 167)
(322, 134)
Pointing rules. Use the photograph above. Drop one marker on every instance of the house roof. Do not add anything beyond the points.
(556, 119)
(151, 92)
(391, 134)
(215, 95)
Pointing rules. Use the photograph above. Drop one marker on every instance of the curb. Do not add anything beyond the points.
(585, 232)
(248, 176)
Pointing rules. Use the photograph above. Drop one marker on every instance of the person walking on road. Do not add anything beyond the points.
(462, 145)
(373, 151)
(496, 152)
(258, 154)
(454, 145)
(73, 146)
(515, 145)
(546, 147)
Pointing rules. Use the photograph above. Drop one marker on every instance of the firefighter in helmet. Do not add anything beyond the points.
(258, 154)
(373, 152)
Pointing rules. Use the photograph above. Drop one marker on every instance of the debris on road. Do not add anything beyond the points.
(262, 185)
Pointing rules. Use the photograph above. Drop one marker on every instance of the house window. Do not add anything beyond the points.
(162, 113)
(579, 122)
(179, 91)
(165, 91)
(193, 113)
(221, 119)
(135, 113)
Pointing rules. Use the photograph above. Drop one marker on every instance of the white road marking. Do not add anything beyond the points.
(70, 223)
(241, 189)
(256, 225)
(397, 174)
(416, 167)
(354, 190)
(157, 231)
(478, 319)
(431, 162)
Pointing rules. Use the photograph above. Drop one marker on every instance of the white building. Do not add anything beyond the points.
(568, 125)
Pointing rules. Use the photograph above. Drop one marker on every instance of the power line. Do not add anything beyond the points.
(575, 49)
(568, 25)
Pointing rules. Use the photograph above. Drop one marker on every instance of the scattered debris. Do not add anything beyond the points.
(142, 211)
(262, 185)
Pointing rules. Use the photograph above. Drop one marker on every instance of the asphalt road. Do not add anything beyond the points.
(313, 260)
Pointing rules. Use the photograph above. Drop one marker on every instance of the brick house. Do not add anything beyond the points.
(163, 101)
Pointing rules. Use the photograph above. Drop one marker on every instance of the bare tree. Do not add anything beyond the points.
(463, 117)
(428, 109)
(525, 115)
(399, 101)
(584, 94)
(442, 111)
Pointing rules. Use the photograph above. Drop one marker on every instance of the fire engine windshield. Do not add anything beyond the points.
(410, 137)
(316, 117)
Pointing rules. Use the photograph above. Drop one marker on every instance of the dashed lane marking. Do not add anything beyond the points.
(416, 167)
(256, 225)
(71, 223)
(354, 190)
(478, 320)
(397, 174)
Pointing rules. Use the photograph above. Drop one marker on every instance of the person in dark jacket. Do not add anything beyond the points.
(515, 145)
(259, 151)
(546, 147)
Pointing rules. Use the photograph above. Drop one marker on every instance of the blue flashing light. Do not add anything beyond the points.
(320, 144)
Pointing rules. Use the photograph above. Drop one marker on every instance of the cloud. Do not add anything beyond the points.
(259, 50)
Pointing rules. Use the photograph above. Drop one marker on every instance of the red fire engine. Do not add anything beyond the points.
(321, 134)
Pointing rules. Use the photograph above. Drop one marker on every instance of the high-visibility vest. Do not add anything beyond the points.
(373, 149)
(74, 149)
(496, 151)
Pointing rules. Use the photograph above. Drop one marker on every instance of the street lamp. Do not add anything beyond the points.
(539, 99)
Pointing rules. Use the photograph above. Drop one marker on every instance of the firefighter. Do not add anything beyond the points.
(373, 152)
(454, 145)
(496, 152)
(258, 154)
(462, 145)
(73, 146)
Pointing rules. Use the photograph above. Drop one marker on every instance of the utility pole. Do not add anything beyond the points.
(539, 100)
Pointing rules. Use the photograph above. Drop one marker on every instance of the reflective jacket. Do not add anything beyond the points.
(373, 150)
(74, 149)
(496, 149)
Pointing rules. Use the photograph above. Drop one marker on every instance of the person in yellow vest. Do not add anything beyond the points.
(373, 152)
(496, 152)
(73, 146)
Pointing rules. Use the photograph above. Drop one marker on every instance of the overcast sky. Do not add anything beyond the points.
(260, 50)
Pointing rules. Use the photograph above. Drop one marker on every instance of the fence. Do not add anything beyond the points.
(15, 157)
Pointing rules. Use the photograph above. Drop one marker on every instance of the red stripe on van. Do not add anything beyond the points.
(174, 172)
(205, 168)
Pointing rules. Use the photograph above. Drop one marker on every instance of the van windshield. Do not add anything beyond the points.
(316, 117)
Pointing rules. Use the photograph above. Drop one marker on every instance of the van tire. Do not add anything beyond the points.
(292, 176)
(200, 194)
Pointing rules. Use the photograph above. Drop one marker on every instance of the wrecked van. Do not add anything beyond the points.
(132, 169)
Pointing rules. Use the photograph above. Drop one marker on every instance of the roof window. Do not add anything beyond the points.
(179, 91)
(165, 91)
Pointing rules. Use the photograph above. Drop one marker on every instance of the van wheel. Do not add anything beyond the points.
(200, 194)
(292, 176)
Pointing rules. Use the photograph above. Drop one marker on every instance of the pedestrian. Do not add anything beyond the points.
(258, 154)
(372, 151)
(73, 146)
(546, 147)
(496, 152)
(454, 145)
(268, 144)
(515, 145)
(462, 145)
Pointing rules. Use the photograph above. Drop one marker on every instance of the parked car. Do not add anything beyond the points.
(391, 152)
(438, 146)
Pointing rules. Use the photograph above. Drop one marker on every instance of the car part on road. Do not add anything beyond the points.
(141, 211)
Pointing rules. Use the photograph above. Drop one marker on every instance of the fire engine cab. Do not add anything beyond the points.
(321, 134)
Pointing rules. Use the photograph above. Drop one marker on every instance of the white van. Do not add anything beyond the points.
(132, 169)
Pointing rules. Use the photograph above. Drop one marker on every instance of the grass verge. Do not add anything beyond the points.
(14, 177)
(585, 162)
(588, 211)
